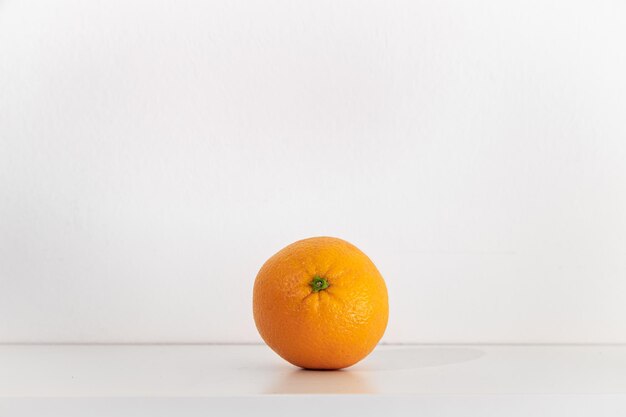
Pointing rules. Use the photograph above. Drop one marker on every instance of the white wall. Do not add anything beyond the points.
(154, 153)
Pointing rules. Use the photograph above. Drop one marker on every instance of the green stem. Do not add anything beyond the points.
(319, 283)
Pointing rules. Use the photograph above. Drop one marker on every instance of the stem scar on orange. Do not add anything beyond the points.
(320, 303)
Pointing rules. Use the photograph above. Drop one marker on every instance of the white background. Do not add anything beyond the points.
(154, 153)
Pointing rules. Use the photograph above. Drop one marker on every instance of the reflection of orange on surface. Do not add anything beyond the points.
(300, 381)
(320, 303)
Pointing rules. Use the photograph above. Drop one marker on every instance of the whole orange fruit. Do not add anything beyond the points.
(320, 303)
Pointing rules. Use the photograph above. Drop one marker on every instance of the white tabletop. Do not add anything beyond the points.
(193, 379)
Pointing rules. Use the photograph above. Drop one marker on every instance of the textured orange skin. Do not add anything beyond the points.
(330, 329)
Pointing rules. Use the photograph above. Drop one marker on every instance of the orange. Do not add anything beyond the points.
(320, 303)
